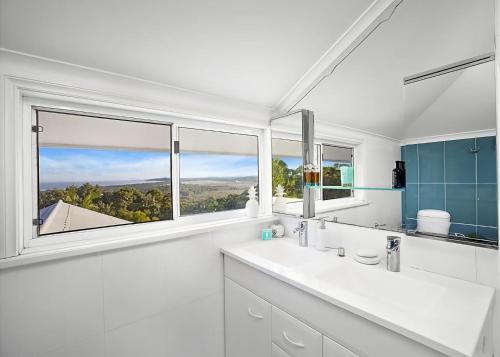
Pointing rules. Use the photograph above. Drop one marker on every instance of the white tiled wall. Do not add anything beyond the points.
(156, 300)
(459, 261)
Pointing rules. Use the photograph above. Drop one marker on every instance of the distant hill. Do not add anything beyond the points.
(155, 182)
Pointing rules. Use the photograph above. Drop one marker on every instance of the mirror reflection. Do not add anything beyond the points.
(450, 151)
(408, 121)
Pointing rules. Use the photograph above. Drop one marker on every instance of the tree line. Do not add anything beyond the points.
(134, 205)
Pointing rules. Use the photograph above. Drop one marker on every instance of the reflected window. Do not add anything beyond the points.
(97, 172)
(335, 158)
(287, 167)
(216, 170)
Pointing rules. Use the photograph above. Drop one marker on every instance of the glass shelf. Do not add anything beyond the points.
(359, 188)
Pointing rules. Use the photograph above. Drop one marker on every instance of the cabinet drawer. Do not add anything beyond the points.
(333, 349)
(278, 352)
(294, 337)
(248, 323)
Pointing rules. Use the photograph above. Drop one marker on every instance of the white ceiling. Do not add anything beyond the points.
(366, 90)
(248, 50)
(457, 102)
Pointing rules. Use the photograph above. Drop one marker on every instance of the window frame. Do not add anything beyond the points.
(342, 146)
(28, 239)
(36, 164)
(178, 170)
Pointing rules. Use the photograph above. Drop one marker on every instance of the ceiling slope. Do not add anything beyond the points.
(247, 50)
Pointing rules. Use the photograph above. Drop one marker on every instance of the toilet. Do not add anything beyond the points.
(433, 221)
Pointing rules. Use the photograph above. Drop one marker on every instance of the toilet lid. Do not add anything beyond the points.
(433, 213)
(366, 253)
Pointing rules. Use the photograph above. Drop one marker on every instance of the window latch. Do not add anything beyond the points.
(37, 129)
(37, 222)
(177, 148)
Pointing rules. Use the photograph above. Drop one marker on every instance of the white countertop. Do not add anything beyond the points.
(442, 313)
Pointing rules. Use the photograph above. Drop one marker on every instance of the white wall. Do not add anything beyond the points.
(162, 299)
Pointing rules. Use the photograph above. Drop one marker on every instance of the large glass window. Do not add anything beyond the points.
(335, 157)
(216, 170)
(97, 172)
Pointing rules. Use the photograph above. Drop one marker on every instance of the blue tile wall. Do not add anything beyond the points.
(431, 163)
(458, 176)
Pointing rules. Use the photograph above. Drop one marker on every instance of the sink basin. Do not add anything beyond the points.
(285, 252)
(384, 288)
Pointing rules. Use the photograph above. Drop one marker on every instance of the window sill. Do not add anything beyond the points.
(48, 253)
(326, 206)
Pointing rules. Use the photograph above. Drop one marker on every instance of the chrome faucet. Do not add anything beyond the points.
(393, 250)
(302, 229)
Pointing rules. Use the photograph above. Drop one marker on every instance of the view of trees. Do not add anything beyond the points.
(290, 179)
(128, 203)
(331, 177)
(141, 203)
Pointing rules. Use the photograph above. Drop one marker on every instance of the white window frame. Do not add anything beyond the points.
(222, 214)
(359, 196)
(353, 158)
(26, 99)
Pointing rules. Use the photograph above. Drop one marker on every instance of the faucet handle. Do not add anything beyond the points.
(393, 242)
(300, 227)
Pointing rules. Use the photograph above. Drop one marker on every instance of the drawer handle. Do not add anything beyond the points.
(254, 315)
(296, 344)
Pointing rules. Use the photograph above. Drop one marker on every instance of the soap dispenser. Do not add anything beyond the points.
(321, 235)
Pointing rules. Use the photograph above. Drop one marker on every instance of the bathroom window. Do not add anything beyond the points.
(287, 167)
(333, 159)
(216, 170)
(98, 172)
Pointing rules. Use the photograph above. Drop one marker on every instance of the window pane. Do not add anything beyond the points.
(99, 172)
(335, 157)
(216, 170)
(287, 167)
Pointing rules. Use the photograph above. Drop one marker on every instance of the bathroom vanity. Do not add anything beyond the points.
(286, 300)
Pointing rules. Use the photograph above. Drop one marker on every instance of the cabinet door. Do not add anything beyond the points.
(333, 349)
(294, 337)
(278, 352)
(248, 323)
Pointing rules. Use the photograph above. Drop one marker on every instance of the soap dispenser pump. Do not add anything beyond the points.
(321, 236)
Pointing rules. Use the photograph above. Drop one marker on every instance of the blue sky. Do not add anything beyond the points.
(292, 162)
(90, 165)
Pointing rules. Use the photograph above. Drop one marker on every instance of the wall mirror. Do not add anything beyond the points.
(419, 89)
(294, 173)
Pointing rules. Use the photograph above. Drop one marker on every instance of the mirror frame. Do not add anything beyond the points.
(307, 118)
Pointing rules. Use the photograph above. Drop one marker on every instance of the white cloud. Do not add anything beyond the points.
(80, 168)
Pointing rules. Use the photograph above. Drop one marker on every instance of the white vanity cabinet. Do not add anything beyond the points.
(325, 330)
(248, 323)
(278, 352)
(294, 337)
(333, 349)
(254, 327)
